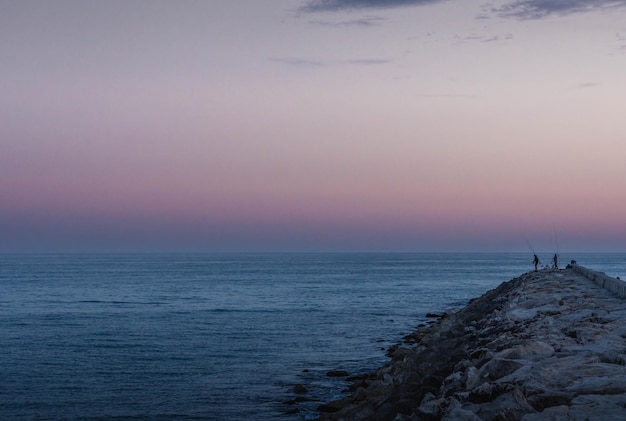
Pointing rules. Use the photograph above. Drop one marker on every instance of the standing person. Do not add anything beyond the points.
(535, 261)
(555, 261)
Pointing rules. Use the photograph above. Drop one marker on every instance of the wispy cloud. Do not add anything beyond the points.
(587, 85)
(368, 61)
(449, 96)
(335, 5)
(304, 62)
(517, 9)
(495, 38)
(481, 38)
(298, 61)
(537, 9)
(363, 22)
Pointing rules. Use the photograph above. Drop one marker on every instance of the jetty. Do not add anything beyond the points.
(548, 345)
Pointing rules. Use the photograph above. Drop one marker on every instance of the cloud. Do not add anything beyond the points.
(449, 96)
(363, 22)
(368, 61)
(537, 9)
(303, 62)
(621, 38)
(298, 61)
(494, 38)
(588, 85)
(336, 5)
(482, 38)
(518, 9)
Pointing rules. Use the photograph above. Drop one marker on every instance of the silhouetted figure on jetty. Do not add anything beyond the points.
(555, 261)
(535, 261)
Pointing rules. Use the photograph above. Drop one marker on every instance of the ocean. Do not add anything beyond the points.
(219, 336)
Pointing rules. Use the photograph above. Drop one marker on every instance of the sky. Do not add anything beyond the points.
(312, 125)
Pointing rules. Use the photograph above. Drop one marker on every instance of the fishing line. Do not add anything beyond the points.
(528, 243)
(556, 240)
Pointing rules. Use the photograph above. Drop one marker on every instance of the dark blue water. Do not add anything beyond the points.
(215, 337)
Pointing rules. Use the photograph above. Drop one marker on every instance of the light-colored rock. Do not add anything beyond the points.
(460, 414)
(555, 413)
(430, 406)
(498, 368)
(455, 412)
(598, 407)
(511, 405)
(531, 351)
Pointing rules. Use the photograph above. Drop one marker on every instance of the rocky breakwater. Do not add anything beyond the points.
(549, 345)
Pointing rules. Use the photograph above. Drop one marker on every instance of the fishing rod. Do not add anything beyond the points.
(556, 244)
(556, 240)
(528, 243)
(530, 246)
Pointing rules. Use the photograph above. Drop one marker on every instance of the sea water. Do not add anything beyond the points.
(218, 336)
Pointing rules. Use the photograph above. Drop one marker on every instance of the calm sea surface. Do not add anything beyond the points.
(213, 337)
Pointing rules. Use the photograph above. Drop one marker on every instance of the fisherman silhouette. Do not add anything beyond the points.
(535, 262)
(555, 260)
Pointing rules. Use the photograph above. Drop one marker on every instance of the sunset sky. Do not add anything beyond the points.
(295, 125)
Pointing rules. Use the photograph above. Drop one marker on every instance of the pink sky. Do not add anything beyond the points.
(241, 126)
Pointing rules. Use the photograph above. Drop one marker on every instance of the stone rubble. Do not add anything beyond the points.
(549, 345)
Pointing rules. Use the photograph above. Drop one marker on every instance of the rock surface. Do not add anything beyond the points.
(549, 345)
